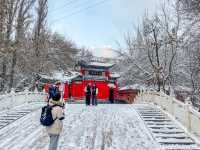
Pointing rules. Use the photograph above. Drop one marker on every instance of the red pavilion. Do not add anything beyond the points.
(93, 72)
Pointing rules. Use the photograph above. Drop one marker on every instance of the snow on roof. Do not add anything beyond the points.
(101, 64)
(111, 85)
(114, 75)
(46, 77)
(62, 76)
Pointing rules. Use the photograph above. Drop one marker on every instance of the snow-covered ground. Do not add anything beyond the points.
(105, 127)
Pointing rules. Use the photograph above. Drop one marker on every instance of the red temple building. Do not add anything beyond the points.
(93, 72)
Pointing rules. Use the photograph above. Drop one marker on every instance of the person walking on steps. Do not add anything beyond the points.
(55, 129)
(88, 94)
(94, 94)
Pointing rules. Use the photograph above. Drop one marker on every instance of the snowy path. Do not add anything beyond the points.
(105, 127)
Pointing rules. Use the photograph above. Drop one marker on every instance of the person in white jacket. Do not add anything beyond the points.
(58, 115)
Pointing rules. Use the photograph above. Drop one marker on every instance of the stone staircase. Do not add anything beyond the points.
(11, 115)
(166, 132)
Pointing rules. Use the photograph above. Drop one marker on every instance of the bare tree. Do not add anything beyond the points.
(40, 25)
(3, 13)
(23, 22)
(151, 55)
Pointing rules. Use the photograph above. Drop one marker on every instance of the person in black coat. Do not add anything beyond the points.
(94, 94)
(111, 95)
(87, 94)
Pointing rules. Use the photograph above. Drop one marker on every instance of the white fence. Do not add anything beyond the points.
(183, 112)
(14, 99)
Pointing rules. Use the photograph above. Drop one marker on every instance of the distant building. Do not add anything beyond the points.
(92, 72)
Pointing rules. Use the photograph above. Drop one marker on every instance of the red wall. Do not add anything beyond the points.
(77, 89)
(103, 89)
(66, 91)
(127, 95)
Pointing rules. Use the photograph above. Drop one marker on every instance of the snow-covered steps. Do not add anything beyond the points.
(167, 133)
(9, 116)
(102, 127)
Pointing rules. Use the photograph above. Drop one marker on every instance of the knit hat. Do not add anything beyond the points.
(56, 97)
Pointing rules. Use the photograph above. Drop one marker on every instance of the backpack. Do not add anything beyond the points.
(46, 118)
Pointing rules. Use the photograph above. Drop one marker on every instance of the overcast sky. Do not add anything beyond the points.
(99, 26)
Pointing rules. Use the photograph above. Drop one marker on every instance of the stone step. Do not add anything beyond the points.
(163, 135)
(157, 120)
(151, 112)
(23, 111)
(3, 123)
(149, 115)
(177, 142)
(181, 147)
(12, 116)
(160, 124)
(7, 119)
(167, 132)
(162, 127)
(173, 138)
(154, 117)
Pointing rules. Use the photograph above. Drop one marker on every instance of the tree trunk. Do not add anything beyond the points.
(4, 78)
(14, 61)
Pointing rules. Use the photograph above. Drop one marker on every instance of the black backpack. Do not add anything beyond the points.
(46, 118)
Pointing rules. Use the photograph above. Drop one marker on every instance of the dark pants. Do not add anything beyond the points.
(111, 99)
(94, 100)
(53, 142)
(88, 99)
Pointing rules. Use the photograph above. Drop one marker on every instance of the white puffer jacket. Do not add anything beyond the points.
(57, 113)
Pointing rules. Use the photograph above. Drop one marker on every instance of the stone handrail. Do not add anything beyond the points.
(14, 99)
(183, 112)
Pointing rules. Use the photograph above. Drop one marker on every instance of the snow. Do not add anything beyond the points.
(134, 86)
(183, 88)
(114, 75)
(12, 99)
(109, 127)
(111, 85)
(101, 64)
(62, 76)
